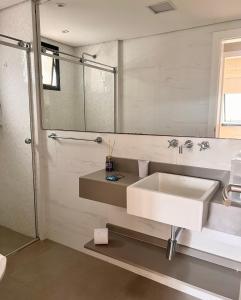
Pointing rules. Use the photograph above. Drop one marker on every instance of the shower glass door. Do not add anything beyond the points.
(17, 203)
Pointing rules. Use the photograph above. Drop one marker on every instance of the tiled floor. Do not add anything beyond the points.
(11, 240)
(49, 271)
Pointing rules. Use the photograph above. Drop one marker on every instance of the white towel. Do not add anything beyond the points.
(3, 264)
(1, 115)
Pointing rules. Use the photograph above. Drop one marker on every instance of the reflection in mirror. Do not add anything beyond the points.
(78, 94)
(144, 72)
(99, 100)
(50, 68)
(230, 98)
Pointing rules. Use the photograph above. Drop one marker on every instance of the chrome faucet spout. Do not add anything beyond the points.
(227, 189)
(188, 144)
(180, 148)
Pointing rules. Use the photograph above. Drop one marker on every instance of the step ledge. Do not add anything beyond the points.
(122, 249)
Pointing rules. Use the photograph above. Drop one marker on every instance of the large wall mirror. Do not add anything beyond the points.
(141, 67)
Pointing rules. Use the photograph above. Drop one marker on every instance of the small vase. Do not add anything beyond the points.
(109, 164)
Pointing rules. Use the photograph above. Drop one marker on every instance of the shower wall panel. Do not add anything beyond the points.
(16, 176)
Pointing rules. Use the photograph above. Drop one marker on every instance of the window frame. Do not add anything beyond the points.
(57, 68)
(224, 122)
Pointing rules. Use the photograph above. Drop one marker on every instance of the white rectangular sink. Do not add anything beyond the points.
(172, 199)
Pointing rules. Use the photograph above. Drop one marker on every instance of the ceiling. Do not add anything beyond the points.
(7, 3)
(93, 21)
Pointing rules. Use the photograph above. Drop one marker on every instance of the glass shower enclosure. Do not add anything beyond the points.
(84, 96)
(18, 224)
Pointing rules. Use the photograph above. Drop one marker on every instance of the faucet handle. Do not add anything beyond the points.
(173, 143)
(204, 145)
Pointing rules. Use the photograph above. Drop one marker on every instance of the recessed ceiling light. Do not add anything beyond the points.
(61, 4)
(65, 31)
(161, 7)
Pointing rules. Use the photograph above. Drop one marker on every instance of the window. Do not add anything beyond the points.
(50, 68)
(232, 109)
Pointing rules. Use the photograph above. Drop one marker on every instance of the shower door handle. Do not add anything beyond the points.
(28, 141)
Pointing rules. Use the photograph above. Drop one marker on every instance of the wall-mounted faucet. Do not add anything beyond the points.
(204, 145)
(188, 145)
(173, 143)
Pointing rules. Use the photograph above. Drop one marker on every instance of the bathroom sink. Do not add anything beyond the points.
(172, 199)
(3, 263)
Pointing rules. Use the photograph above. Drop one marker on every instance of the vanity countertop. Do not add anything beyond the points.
(90, 187)
(127, 179)
(95, 187)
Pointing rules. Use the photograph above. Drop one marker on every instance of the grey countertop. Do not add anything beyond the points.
(95, 187)
(130, 178)
(127, 179)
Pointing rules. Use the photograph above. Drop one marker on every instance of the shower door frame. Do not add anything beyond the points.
(88, 64)
(21, 45)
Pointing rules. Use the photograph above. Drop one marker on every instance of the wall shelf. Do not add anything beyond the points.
(134, 249)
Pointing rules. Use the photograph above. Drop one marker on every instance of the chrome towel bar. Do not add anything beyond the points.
(54, 136)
